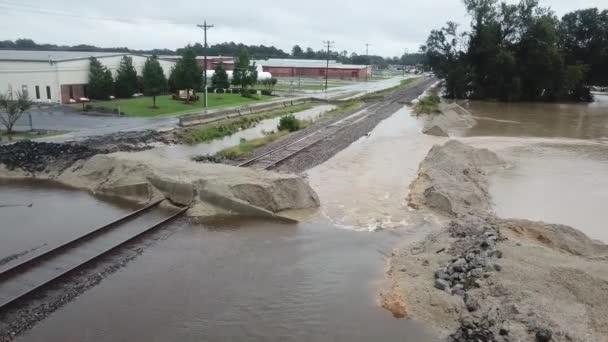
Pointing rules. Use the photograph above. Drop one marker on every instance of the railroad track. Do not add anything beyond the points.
(20, 279)
(282, 153)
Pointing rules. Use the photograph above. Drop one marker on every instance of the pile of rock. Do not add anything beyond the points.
(37, 156)
(476, 250)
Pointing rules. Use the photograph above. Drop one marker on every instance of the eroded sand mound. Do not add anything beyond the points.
(209, 189)
(452, 116)
(489, 279)
(451, 179)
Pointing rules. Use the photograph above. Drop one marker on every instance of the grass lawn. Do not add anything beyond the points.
(141, 106)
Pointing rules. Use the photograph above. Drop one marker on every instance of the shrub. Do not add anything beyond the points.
(253, 91)
(210, 90)
(289, 123)
(236, 90)
(220, 91)
(266, 92)
(88, 107)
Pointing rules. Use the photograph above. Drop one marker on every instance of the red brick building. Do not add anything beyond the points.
(212, 61)
(309, 68)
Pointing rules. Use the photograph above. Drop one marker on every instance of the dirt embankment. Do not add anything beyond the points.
(210, 190)
(452, 116)
(489, 279)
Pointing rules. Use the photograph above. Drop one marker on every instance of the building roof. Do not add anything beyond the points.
(305, 63)
(53, 56)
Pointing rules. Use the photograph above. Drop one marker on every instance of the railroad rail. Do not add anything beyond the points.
(282, 153)
(27, 276)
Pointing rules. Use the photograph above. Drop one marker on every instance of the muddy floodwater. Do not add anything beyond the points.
(35, 216)
(558, 156)
(225, 281)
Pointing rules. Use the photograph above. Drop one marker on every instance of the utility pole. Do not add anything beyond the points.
(205, 27)
(328, 43)
(366, 61)
(403, 60)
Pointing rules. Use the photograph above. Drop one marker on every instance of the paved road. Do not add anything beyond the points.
(82, 126)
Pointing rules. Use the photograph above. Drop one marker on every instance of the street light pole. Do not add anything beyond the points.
(205, 27)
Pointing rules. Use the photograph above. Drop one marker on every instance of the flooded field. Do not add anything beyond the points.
(213, 147)
(558, 155)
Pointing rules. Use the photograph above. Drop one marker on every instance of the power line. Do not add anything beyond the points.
(329, 44)
(37, 10)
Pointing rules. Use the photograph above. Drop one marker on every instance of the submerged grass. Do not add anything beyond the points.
(229, 127)
(428, 105)
(246, 147)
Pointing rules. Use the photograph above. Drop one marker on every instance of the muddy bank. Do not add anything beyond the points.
(451, 118)
(208, 189)
(489, 279)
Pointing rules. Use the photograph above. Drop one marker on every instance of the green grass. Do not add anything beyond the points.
(229, 127)
(428, 105)
(142, 106)
(246, 147)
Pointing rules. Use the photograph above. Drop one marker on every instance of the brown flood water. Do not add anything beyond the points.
(57, 214)
(226, 281)
(558, 155)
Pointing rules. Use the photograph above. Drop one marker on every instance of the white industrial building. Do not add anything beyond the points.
(58, 76)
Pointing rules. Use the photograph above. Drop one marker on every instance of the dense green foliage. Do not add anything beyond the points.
(245, 74)
(186, 73)
(289, 123)
(100, 81)
(126, 78)
(514, 52)
(155, 82)
(220, 78)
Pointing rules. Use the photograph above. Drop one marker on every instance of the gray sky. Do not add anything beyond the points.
(390, 26)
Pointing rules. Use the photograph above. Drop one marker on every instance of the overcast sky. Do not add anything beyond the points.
(390, 26)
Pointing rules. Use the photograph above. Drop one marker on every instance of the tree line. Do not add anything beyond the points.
(521, 52)
(233, 49)
(185, 75)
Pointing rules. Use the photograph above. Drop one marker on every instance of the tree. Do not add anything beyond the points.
(154, 79)
(244, 74)
(100, 80)
(297, 52)
(519, 52)
(187, 73)
(12, 108)
(126, 78)
(269, 85)
(220, 77)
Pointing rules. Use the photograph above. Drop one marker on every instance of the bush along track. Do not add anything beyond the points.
(229, 127)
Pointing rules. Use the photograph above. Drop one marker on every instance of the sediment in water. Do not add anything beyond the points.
(492, 279)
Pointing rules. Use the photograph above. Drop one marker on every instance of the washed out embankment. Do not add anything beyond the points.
(492, 279)
(210, 190)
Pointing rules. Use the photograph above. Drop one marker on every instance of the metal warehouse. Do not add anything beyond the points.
(312, 68)
(58, 76)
